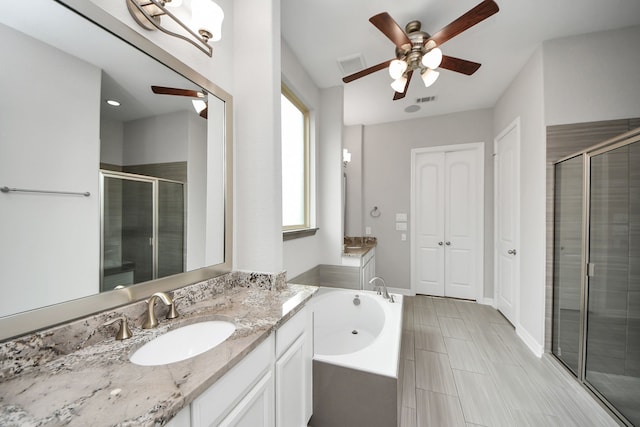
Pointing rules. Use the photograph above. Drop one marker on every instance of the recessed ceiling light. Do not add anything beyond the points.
(113, 102)
(412, 108)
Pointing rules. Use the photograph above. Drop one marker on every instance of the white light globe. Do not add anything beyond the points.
(432, 59)
(397, 68)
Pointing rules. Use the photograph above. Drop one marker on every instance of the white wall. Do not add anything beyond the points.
(524, 98)
(258, 177)
(330, 175)
(156, 139)
(387, 183)
(111, 141)
(34, 156)
(592, 77)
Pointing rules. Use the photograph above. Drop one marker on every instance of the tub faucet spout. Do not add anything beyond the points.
(382, 289)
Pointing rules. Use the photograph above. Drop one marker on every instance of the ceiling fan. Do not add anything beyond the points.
(418, 51)
(201, 106)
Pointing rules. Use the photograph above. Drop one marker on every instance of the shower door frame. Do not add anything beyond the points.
(587, 154)
(154, 181)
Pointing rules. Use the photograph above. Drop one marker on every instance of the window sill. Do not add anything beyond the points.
(298, 234)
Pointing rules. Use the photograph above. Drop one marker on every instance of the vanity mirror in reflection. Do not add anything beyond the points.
(78, 114)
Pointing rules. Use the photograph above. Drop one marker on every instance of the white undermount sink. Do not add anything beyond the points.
(183, 343)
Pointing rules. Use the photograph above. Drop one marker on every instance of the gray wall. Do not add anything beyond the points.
(386, 168)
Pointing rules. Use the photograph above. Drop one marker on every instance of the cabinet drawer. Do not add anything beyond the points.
(292, 329)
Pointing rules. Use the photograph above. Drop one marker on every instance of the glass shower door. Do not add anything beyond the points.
(567, 271)
(128, 222)
(612, 365)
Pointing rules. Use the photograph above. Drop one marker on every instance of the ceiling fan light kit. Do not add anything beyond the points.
(206, 18)
(416, 50)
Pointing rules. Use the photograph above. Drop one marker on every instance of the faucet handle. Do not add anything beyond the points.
(124, 332)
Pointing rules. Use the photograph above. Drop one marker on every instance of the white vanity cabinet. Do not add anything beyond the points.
(294, 353)
(367, 265)
(270, 387)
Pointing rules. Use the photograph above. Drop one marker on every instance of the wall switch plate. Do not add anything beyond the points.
(367, 231)
(403, 236)
(401, 217)
(401, 226)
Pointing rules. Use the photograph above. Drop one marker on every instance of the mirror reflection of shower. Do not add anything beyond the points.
(143, 228)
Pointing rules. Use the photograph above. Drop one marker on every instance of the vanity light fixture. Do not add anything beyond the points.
(206, 20)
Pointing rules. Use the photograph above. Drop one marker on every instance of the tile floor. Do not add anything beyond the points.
(463, 365)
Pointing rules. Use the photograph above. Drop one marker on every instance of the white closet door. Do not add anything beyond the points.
(507, 226)
(428, 195)
(447, 219)
(460, 209)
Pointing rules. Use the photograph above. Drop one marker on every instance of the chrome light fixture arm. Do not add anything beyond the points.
(137, 9)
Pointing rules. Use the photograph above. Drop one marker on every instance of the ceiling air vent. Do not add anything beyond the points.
(426, 99)
(351, 64)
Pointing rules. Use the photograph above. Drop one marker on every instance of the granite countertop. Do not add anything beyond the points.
(358, 246)
(95, 384)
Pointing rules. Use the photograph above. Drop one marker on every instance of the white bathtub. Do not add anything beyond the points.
(365, 337)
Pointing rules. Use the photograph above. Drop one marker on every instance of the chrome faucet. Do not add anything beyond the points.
(152, 321)
(382, 289)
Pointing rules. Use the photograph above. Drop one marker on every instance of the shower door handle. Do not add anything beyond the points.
(511, 252)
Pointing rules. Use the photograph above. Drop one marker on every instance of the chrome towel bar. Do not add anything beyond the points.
(23, 190)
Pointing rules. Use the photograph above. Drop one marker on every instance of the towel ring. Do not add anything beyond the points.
(375, 212)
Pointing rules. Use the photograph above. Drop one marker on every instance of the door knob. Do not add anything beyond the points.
(440, 243)
(511, 252)
(448, 243)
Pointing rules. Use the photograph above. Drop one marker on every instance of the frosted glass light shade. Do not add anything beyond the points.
(208, 16)
(429, 77)
(399, 84)
(432, 59)
(397, 68)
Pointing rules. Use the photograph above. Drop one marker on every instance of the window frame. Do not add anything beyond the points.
(288, 93)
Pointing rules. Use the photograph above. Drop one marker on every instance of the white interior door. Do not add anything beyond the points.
(460, 224)
(507, 226)
(447, 218)
(428, 265)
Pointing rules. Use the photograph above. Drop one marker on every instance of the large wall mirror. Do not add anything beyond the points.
(103, 204)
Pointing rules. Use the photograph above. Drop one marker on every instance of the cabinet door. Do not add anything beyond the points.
(368, 273)
(291, 385)
(256, 408)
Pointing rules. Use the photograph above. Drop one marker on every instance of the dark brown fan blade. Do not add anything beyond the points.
(390, 28)
(366, 71)
(400, 95)
(459, 65)
(161, 90)
(466, 21)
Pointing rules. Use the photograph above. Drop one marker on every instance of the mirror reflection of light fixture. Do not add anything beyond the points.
(346, 157)
(206, 18)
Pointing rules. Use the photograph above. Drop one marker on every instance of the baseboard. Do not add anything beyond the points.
(402, 291)
(530, 342)
(486, 301)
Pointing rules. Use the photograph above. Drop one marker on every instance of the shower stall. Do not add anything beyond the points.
(143, 228)
(596, 271)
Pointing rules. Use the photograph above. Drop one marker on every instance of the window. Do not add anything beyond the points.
(295, 162)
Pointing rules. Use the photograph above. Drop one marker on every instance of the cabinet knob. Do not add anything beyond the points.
(440, 243)
(511, 252)
(448, 243)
